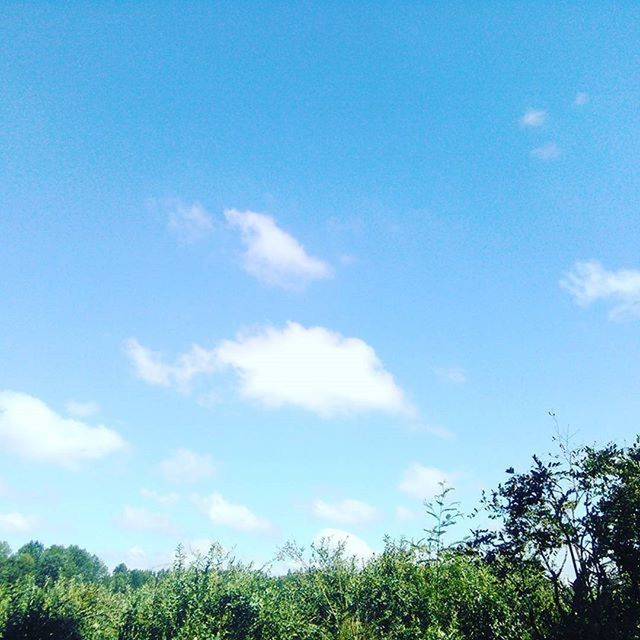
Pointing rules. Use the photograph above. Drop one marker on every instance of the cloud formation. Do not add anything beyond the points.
(548, 151)
(150, 366)
(311, 368)
(348, 511)
(533, 118)
(422, 482)
(314, 369)
(272, 255)
(31, 430)
(14, 522)
(189, 223)
(588, 282)
(187, 467)
(235, 516)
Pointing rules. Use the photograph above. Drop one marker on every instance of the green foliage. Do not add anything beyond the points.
(444, 514)
(52, 563)
(562, 563)
(575, 518)
(64, 609)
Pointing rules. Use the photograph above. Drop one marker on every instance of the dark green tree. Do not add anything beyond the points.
(575, 516)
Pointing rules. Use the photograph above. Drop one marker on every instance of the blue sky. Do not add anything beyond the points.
(273, 270)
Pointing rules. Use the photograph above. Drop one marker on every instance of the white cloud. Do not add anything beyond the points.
(187, 467)
(145, 520)
(422, 482)
(588, 281)
(313, 368)
(163, 499)
(189, 223)
(452, 374)
(404, 514)
(236, 516)
(353, 545)
(150, 366)
(581, 99)
(548, 151)
(272, 255)
(30, 429)
(533, 118)
(348, 511)
(82, 409)
(14, 522)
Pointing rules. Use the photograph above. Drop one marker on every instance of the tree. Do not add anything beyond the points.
(575, 515)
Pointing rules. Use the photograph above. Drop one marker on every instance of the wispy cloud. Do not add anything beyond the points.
(187, 467)
(150, 366)
(311, 368)
(15, 522)
(581, 99)
(548, 151)
(451, 374)
(145, 520)
(533, 118)
(31, 430)
(423, 482)
(588, 282)
(347, 511)
(235, 516)
(189, 223)
(272, 255)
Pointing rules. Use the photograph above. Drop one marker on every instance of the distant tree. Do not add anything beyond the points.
(120, 578)
(33, 548)
(54, 563)
(5, 550)
(85, 566)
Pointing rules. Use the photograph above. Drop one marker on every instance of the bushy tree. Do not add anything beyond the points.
(575, 517)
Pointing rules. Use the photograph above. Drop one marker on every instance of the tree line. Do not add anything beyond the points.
(560, 561)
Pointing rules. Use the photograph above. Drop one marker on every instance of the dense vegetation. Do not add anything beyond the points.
(562, 562)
